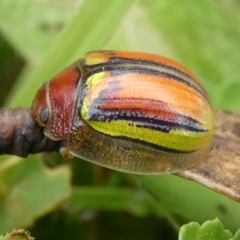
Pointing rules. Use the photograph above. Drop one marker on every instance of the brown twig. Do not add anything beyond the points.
(20, 135)
(221, 170)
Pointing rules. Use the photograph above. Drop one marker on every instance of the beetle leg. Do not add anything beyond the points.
(65, 153)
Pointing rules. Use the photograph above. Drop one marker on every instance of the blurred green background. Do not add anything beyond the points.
(59, 199)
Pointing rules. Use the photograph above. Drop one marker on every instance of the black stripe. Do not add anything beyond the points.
(121, 60)
(143, 121)
(145, 144)
(151, 145)
(113, 60)
(120, 70)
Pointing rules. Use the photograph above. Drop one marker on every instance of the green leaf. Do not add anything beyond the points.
(208, 231)
(230, 89)
(189, 231)
(28, 190)
(111, 199)
(39, 21)
(237, 235)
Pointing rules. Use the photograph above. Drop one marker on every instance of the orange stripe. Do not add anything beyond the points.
(178, 96)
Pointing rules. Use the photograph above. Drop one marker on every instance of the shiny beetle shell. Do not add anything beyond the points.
(133, 112)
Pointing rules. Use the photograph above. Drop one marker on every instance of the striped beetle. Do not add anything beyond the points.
(133, 112)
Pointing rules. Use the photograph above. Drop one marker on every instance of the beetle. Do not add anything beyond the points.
(129, 111)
